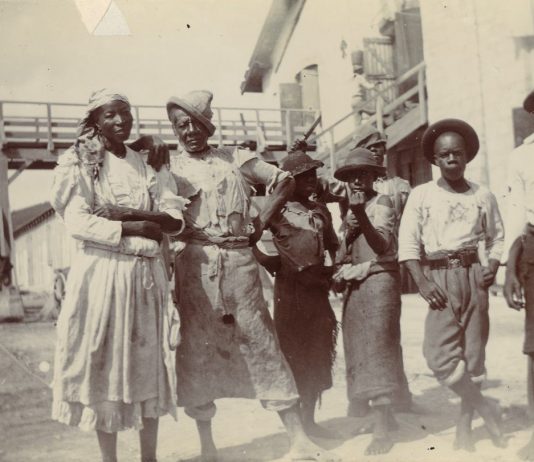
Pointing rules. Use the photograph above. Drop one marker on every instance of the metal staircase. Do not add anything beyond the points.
(398, 117)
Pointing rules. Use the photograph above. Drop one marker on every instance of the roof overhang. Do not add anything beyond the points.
(272, 42)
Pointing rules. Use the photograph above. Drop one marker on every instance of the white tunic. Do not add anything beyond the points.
(113, 363)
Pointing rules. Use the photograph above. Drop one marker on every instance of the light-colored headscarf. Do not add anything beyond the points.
(96, 100)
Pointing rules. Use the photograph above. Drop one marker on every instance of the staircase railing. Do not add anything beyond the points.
(336, 138)
(51, 126)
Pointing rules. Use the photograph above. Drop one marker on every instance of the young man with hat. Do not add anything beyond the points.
(305, 323)
(443, 224)
(519, 282)
(228, 344)
(368, 273)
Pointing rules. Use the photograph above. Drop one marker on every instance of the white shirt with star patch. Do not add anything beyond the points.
(438, 219)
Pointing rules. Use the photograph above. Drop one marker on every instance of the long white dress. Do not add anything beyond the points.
(113, 364)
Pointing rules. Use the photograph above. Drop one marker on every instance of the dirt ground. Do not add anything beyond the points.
(244, 431)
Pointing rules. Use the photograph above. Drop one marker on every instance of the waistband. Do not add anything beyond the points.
(459, 259)
(222, 244)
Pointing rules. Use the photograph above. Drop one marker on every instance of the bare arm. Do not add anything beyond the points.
(126, 214)
(513, 291)
(377, 240)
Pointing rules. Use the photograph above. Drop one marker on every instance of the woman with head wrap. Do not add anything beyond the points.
(113, 364)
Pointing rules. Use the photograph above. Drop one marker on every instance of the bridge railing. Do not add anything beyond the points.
(53, 125)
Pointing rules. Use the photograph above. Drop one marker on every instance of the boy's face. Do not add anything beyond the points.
(450, 155)
(361, 180)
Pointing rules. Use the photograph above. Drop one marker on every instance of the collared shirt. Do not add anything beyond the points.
(520, 201)
(302, 235)
(438, 219)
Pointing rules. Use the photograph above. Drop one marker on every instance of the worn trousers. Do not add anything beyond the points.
(456, 337)
(207, 411)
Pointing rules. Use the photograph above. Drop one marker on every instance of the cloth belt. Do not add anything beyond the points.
(462, 258)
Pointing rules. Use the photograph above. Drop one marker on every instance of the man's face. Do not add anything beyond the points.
(450, 155)
(379, 151)
(191, 133)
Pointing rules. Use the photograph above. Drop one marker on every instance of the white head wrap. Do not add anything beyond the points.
(96, 100)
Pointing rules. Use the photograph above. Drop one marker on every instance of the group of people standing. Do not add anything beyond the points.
(119, 363)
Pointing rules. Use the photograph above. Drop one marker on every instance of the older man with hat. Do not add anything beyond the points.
(368, 268)
(519, 282)
(228, 346)
(444, 223)
(305, 323)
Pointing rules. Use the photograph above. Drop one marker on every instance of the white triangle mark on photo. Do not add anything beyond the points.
(102, 17)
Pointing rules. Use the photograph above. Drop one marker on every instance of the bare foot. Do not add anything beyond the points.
(380, 445)
(464, 434)
(208, 452)
(369, 426)
(317, 431)
(208, 456)
(307, 450)
(527, 452)
(492, 420)
(464, 442)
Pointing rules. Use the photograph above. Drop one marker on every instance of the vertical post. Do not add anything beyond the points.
(50, 144)
(332, 153)
(137, 122)
(421, 94)
(288, 127)
(11, 308)
(379, 113)
(219, 127)
(2, 131)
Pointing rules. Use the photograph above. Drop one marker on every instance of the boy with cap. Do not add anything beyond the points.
(519, 282)
(444, 222)
(368, 273)
(398, 190)
(228, 344)
(305, 323)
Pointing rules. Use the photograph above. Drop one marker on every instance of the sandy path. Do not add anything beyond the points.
(244, 431)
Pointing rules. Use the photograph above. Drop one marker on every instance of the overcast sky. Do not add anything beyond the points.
(47, 54)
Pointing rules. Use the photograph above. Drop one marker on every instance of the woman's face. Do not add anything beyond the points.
(192, 134)
(361, 180)
(306, 183)
(114, 120)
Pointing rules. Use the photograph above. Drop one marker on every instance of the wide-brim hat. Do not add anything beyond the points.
(358, 159)
(369, 136)
(299, 162)
(463, 129)
(197, 104)
(528, 104)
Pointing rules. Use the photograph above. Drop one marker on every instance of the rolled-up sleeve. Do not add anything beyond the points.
(166, 198)
(256, 171)
(494, 232)
(410, 228)
(516, 217)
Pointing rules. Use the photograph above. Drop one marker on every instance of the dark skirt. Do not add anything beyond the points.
(306, 327)
(371, 336)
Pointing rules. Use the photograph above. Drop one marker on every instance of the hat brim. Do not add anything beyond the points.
(313, 165)
(528, 104)
(192, 111)
(463, 129)
(343, 173)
